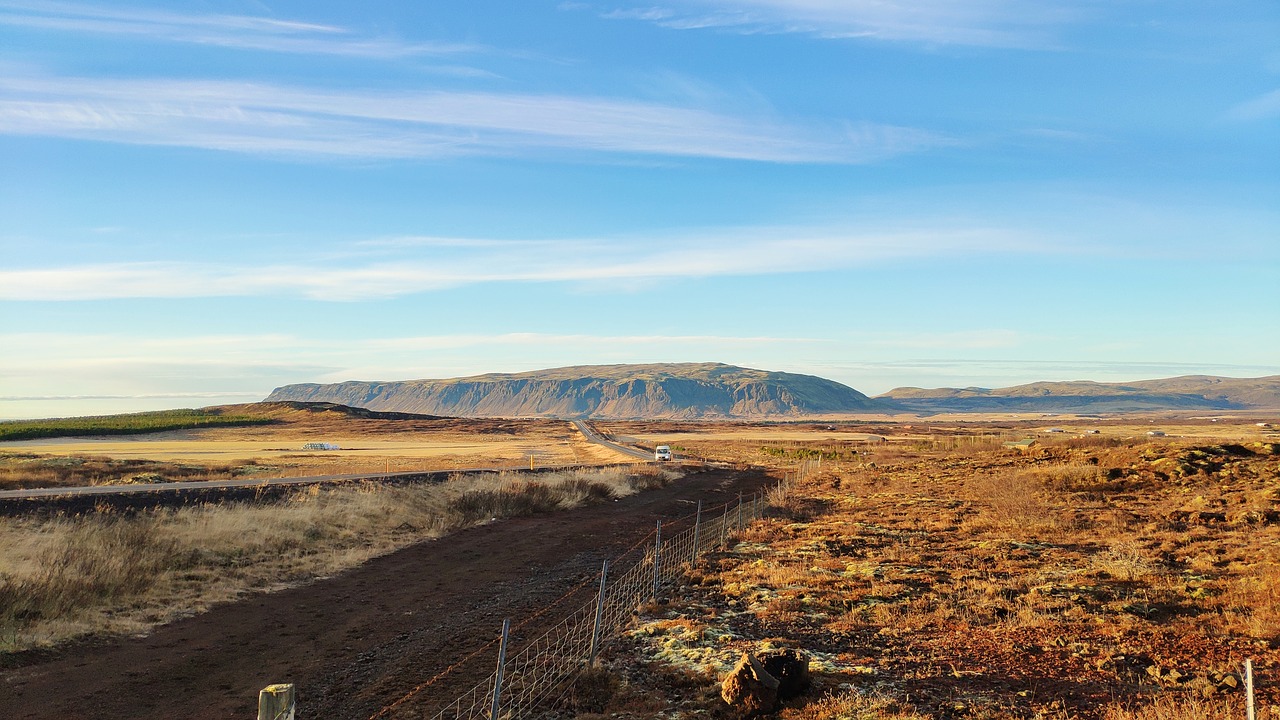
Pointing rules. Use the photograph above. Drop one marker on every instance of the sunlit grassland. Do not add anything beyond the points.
(1084, 577)
(65, 577)
(127, 424)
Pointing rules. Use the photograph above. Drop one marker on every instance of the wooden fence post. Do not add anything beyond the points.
(1248, 689)
(276, 702)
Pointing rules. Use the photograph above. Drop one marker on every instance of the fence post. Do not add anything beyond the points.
(724, 527)
(1248, 689)
(697, 531)
(497, 677)
(276, 702)
(657, 557)
(739, 512)
(595, 631)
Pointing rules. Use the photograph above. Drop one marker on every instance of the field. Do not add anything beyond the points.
(932, 569)
(274, 449)
(68, 576)
(942, 574)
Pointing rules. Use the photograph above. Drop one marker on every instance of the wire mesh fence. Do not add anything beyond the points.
(546, 665)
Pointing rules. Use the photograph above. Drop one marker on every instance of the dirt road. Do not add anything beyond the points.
(357, 642)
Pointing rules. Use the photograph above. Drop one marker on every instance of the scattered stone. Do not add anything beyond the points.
(1167, 675)
(749, 688)
(1225, 682)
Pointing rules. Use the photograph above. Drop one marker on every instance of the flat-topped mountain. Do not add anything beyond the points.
(1188, 392)
(669, 390)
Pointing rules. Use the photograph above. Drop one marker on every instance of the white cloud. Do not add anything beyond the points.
(988, 23)
(231, 31)
(963, 340)
(282, 120)
(1263, 107)
(423, 267)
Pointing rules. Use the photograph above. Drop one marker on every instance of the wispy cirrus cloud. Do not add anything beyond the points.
(247, 32)
(1262, 107)
(274, 119)
(64, 348)
(963, 340)
(986, 23)
(416, 265)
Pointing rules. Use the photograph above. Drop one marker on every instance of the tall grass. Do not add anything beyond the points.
(70, 576)
(1171, 708)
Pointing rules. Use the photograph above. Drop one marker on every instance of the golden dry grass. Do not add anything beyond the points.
(267, 451)
(70, 576)
(1170, 708)
(1119, 580)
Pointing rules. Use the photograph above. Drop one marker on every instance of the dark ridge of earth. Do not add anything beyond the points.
(358, 641)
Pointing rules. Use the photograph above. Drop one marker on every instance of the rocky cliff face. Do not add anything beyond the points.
(678, 391)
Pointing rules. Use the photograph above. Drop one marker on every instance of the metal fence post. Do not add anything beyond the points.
(697, 531)
(724, 527)
(657, 557)
(739, 512)
(595, 632)
(497, 678)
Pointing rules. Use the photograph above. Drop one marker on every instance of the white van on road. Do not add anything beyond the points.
(662, 452)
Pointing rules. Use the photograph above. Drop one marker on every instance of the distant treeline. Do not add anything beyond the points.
(130, 424)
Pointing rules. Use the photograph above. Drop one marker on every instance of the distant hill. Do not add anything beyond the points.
(288, 410)
(1189, 392)
(673, 390)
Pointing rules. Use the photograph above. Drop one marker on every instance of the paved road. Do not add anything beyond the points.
(591, 435)
(35, 493)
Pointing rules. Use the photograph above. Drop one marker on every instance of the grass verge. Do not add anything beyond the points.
(68, 577)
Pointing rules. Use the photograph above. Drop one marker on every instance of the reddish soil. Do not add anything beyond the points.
(355, 643)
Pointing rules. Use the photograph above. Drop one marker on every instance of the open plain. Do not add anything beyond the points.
(364, 444)
(1049, 567)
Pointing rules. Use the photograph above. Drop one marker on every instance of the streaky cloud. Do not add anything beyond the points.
(980, 23)
(427, 268)
(280, 120)
(244, 32)
(1262, 107)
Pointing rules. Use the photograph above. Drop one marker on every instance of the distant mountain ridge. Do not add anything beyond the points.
(668, 390)
(714, 390)
(1187, 392)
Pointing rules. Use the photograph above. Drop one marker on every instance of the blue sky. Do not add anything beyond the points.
(202, 200)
